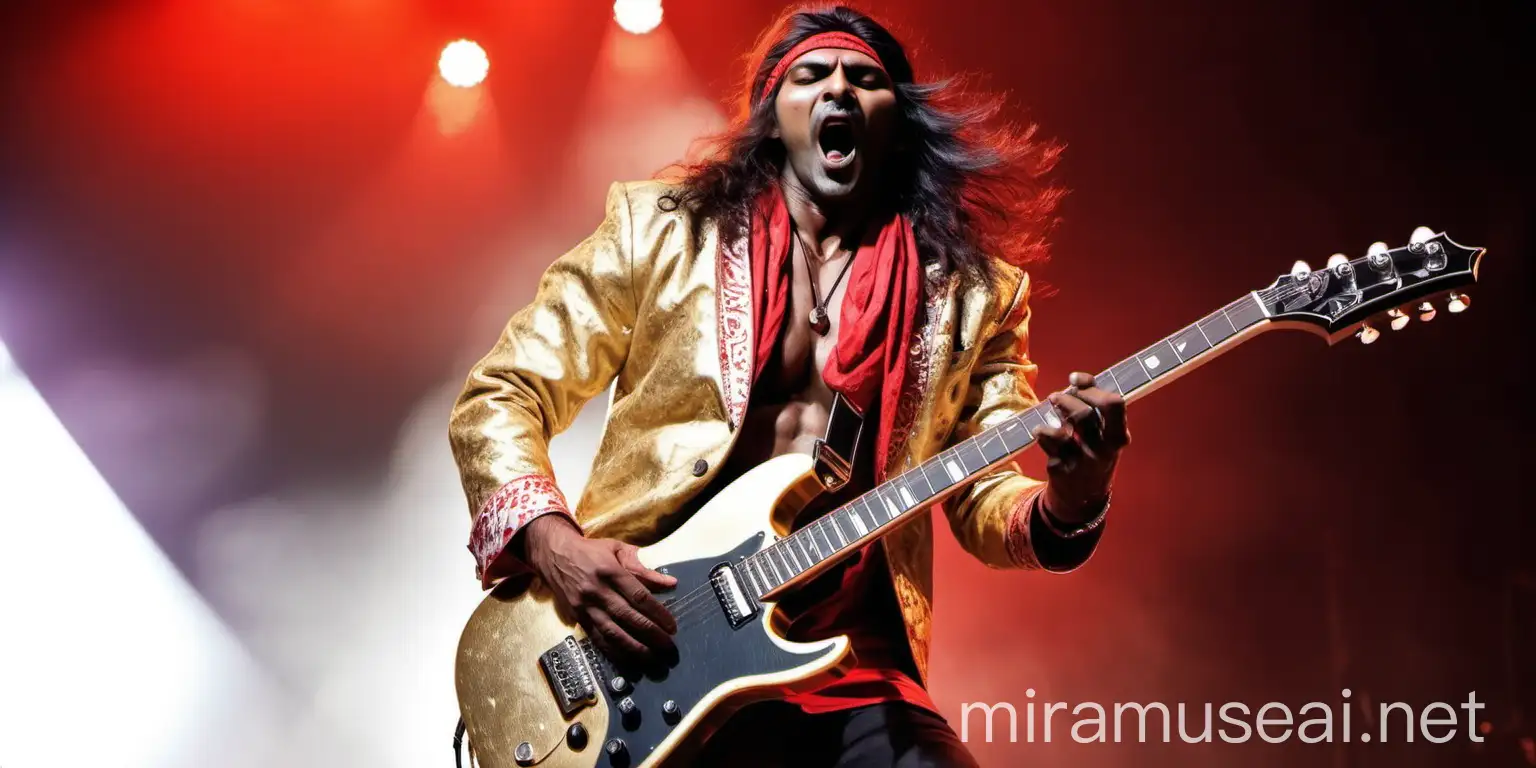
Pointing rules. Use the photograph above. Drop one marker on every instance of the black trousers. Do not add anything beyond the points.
(773, 734)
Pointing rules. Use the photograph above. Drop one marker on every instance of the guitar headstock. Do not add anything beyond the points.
(1400, 283)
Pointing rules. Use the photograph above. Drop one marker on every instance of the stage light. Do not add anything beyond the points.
(637, 16)
(463, 64)
(92, 604)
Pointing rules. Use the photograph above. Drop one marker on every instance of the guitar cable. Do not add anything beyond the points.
(458, 745)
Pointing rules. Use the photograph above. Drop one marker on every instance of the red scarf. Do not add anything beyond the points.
(876, 322)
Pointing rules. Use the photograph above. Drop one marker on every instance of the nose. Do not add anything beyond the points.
(837, 88)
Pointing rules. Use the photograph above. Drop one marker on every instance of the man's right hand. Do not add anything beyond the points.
(604, 584)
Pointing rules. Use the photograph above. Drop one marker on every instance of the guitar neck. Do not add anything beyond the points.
(797, 558)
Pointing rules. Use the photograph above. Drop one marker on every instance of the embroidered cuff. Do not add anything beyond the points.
(511, 507)
(1034, 543)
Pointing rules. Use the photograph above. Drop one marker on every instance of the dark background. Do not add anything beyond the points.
(247, 194)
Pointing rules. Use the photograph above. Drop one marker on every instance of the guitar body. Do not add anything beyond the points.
(513, 713)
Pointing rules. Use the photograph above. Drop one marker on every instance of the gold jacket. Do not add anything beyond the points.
(650, 306)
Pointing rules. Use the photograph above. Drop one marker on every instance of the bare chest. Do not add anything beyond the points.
(797, 403)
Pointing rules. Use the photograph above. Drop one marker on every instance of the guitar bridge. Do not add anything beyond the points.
(569, 676)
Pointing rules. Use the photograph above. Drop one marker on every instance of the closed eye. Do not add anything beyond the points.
(868, 77)
(806, 74)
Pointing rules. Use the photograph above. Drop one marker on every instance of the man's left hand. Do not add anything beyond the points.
(1083, 451)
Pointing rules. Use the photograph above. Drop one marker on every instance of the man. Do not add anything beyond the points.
(852, 237)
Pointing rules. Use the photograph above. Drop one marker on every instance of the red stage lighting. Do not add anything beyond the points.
(463, 63)
(637, 16)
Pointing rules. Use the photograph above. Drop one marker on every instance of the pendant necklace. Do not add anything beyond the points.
(820, 323)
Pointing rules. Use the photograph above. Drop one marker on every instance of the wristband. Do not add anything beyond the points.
(1081, 529)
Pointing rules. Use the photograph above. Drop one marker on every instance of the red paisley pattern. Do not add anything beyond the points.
(516, 502)
(919, 370)
(1019, 547)
(733, 317)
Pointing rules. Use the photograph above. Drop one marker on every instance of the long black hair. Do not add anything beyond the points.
(972, 188)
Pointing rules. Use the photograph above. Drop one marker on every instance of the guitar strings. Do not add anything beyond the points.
(686, 609)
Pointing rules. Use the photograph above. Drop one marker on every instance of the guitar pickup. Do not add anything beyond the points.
(569, 676)
(739, 606)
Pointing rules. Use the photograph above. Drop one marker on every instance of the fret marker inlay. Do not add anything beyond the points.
(860, 519)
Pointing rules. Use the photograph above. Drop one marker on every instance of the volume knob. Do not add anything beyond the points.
(618, 752)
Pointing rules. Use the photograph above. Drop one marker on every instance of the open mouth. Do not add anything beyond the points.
(838, 140)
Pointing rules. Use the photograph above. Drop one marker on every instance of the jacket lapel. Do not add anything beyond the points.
(925, 361)
(733, 325)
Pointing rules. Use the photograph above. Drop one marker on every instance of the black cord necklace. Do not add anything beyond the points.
(820, 322)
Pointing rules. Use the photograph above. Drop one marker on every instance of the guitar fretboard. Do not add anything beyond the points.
(843, 530)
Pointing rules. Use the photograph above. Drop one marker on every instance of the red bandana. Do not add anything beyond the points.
(877, 319)
(842, 40)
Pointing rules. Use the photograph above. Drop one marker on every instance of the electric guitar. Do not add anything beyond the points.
(533, 690)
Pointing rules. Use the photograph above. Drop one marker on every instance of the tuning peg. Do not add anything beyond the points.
(1458, 302)
(1367, 334)
(1421, 235)
(1426, 312)
(1377, 257)
(1337, 259)
(1399, 318)
(1300, 268)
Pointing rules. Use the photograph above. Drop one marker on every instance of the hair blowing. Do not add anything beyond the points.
(971, 185)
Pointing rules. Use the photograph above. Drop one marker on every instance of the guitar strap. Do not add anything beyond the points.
(837, 449)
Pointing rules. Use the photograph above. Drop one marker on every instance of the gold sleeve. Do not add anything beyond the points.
(552, 357)
(997, 519)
